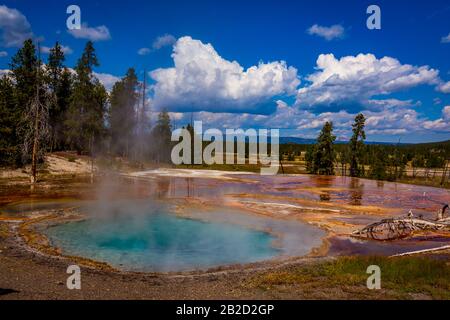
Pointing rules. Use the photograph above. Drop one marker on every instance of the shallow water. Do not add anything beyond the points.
(358, 202)
(148, 237)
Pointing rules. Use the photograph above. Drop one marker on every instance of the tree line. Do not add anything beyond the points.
(50, 107)
(376, 161)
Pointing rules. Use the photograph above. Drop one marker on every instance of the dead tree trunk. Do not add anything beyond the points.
(444, 173)
(36, 128)
(33, 177)
(397, 228)
(91, 147)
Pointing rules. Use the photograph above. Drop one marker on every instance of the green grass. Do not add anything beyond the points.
(400, 277)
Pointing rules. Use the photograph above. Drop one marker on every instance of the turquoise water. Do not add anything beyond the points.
(146, 238)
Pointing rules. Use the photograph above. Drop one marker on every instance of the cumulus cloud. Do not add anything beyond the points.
(3, 54)
(14, 27)
(163, 41)
(446, 113)
(446, 39)
(444, 87)
(202, 80)
(99, 33)
(397, 122)
(66, 49)
(328, 33)
(108, 80)
(356, 79)
(442, 124)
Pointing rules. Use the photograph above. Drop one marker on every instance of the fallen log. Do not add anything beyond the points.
(397, 228)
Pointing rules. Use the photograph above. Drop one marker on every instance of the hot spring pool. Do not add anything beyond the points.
(151, 239)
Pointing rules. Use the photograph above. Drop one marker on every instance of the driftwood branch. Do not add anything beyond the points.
(420, 251)
(397, 228)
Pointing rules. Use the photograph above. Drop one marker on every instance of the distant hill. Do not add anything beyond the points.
(295, 140)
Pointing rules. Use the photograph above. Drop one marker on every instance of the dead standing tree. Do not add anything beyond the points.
(36, 125)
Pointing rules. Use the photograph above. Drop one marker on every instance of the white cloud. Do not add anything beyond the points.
(14, 26)
(163, 41)
(99, 33)
(66, 49)
(3, 54)
(143, 51)
(446, 39)
(383, 104)
(202, 80)
(4, 72)
(442, 124)
(328, 33)
(438, 125)
(108, 80)
(158, 43)
(446, 113)
(397, 122)
(355, 79)
(444, 87)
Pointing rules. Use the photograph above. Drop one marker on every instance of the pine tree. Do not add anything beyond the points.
(357, 146)
(123, 115)
(309, 159)
(60, 83)
(86, 114)
(23, 67)
(161, 135)
(9, 123)
(323, 156)
(378, 163)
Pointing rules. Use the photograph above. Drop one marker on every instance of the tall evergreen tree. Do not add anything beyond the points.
(309, 159)
(324, 156)
(357, 146)
(85, 121)
(161, 135)
(60, 83)
(23, 67)
(9, 123)
(378, 162)
(123, 116)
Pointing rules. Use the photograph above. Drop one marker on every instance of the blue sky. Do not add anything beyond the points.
(274, 64)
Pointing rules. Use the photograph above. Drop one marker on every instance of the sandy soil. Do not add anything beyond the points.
(55, 164)
(62, 165)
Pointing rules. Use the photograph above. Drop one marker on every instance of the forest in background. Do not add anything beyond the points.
(47, 107)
